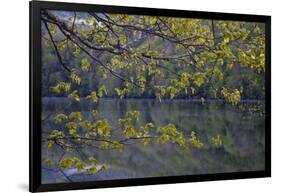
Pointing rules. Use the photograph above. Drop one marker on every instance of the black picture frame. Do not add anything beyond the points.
(35, 96)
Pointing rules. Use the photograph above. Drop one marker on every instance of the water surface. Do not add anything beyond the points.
(242, 134)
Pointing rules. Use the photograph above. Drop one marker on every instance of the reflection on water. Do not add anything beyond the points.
(242, 135)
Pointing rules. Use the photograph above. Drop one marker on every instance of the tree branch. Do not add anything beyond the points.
(56, 49)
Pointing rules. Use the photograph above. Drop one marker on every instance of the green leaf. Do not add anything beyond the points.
(100, 39)
(122, 39)
(199, 79)
(146, 141)
(104, 145)
(153, 20)
(85, 65)
(93, 170)
(218, 73)
(93, 97)
(75, 77)
(71, 125)
(66, 163)
(121, 92)
(101, 91)
(50, 144)
(133, 114)
(60, 117)
(103, 127)
(231, 96)
(74, 96)
(226, 39)
(103, 168)
(194, 141)
(86, 124)
(54, 89)
(220, 61)
(95, 113)
(129, 131)
(76, 116)
(153, 53)
(60, 87)
(163, 138)
(72, 131)
(180, 141)
(93, 160)
(217, 140)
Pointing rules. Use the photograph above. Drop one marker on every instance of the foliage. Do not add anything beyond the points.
(231, 96)
(126, 56)
(61, 87)
(204, 58)
(217, 140)
(194, 141)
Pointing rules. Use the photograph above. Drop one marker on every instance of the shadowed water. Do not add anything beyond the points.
(242, 134)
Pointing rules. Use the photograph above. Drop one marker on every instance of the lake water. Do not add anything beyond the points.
(242, 133)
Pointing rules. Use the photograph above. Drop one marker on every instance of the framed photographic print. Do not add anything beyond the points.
(123, 96)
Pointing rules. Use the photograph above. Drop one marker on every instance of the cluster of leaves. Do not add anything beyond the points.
(61, 87)
(217, 140)
(85, 65)
(75, 76)
(201, 54)
(89, 167)
(171, 134)
(95, 95)
(231, 96)
(74, 96)
(195, 141)
(128, 127)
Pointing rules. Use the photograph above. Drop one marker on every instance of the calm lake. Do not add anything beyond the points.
(242, 134)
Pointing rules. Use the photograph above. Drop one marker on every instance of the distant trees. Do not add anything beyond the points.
(143, 56)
